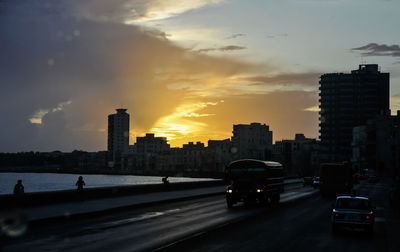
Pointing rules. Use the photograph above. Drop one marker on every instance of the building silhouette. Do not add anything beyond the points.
(348, 100)
(252, 141)
(118, 136)
(376, 146)
(299, 156)
(152, 144)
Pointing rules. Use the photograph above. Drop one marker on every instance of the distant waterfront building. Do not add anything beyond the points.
(298, 156)
(348, 100)
(152, 144)
(251, 141)
(189, 158)
(118, 135)
(152, 154)
(193, 156)
(218, 155)
(376, 145)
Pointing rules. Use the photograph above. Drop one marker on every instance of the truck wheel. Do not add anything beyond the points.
(229, 203)
(370, 230)
(334, 229)
(263, 200)
(275, 198)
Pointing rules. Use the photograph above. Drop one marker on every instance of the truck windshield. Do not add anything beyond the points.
(244, 169)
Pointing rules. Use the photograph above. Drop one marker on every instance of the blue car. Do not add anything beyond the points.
(353, 212)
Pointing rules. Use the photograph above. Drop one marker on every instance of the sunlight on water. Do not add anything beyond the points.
(40, 182)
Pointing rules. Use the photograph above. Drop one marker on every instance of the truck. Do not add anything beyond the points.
(253, 180)
(335, 178)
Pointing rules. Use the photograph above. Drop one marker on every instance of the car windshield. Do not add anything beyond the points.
(349, 203)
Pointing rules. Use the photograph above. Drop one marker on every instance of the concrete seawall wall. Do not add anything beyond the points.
(42, 198)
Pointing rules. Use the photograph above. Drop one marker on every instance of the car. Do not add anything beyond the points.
(315, 182)
(353, 212)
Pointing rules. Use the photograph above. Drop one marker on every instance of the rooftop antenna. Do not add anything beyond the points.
(363, 61)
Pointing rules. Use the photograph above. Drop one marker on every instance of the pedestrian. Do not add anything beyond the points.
(19, 188)
(80, 183)
(165, 180)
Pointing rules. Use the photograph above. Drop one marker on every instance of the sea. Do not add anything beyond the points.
(42, 182)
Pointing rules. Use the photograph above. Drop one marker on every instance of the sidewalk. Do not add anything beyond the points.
(68, 209)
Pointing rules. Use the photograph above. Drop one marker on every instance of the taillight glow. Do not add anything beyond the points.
(367, 217)
(336, 215)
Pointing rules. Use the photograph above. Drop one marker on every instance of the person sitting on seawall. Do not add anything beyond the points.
(19, 188)
(80, 183)
(165, 180)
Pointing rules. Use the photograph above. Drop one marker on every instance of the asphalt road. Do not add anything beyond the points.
(304, 226)
(142, 229)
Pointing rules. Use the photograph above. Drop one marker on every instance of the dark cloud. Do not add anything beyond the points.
(231, 48)
(223, 49)
(71, 71)
(309, 79)
(51, 56)
(373, 49)
(236, 35)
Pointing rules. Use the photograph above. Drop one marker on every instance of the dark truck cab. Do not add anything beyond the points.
(253, 180)
(335, 178)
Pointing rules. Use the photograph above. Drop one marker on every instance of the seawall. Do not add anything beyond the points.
(54, 197)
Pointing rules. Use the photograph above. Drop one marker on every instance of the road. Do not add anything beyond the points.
(301, 227)
(142, 229)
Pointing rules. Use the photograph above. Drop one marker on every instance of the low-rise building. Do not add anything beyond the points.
(298, 156)
(252, 141)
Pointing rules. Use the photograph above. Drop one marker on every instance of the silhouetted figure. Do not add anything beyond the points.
(80, 183)
(19, 188)
(165, 180)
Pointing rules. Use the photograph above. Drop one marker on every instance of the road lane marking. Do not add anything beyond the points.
(145, 216)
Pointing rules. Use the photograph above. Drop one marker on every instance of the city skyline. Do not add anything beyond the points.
(187, 70)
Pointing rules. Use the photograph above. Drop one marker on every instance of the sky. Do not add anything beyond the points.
(185, 70)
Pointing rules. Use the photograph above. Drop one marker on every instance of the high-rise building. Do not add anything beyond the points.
(118, 135)
(252, 141)
(348, 100)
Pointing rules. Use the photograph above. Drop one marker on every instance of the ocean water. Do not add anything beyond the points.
(40, 182)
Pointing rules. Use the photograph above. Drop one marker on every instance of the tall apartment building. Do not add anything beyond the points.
(348, 100)
(252, 141)
(118, 135)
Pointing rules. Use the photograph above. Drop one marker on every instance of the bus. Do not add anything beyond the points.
(253, 180)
